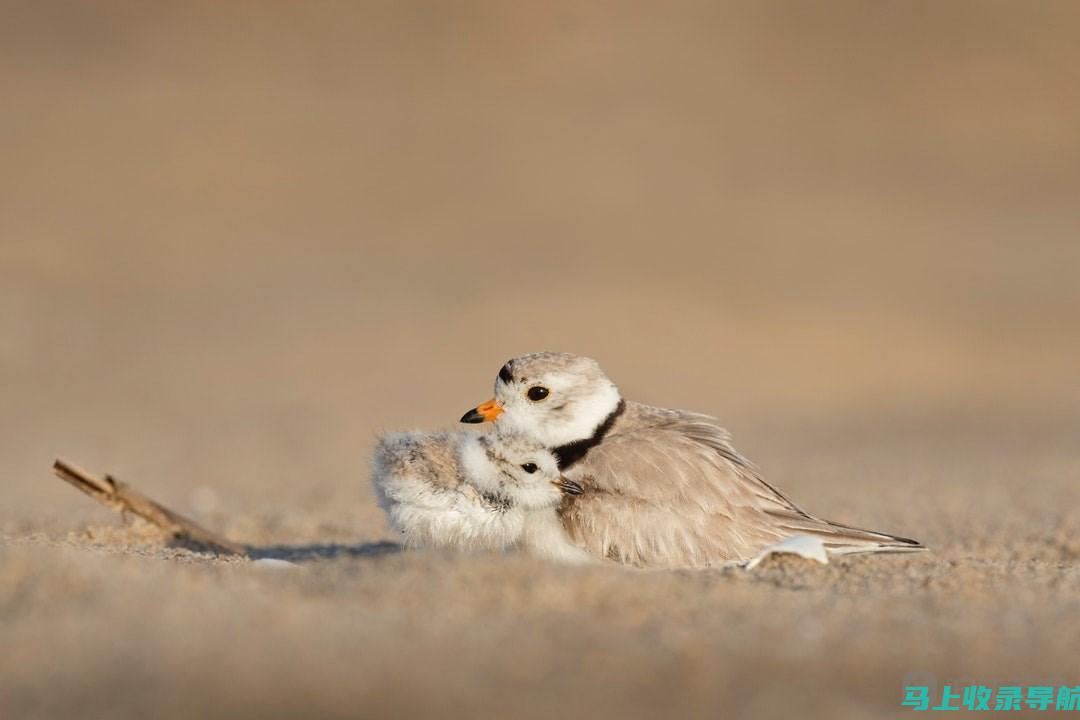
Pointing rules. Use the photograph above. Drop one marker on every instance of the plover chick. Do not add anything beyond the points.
(662, 488)
(474, 492)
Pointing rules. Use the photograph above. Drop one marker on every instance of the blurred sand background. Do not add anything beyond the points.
(239, 240)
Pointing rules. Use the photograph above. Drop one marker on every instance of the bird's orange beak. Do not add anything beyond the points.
(483, 413)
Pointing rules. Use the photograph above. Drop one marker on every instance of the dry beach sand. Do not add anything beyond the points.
(239, 241)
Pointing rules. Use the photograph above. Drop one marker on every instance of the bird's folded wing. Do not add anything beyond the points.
(671, 491)
(670, 454)
(671, 495)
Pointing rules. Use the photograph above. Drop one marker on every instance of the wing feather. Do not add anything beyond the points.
(667, 489)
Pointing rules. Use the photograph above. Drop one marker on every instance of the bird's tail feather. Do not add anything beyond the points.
(846, 540)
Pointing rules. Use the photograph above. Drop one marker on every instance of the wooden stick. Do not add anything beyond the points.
(123, 498)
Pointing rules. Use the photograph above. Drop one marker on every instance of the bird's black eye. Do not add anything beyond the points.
(537, 393)
(529, 468)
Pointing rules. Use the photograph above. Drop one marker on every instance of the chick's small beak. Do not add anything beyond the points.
(483, 413)
(568, 486)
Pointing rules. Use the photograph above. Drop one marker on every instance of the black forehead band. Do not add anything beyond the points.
(504, 374)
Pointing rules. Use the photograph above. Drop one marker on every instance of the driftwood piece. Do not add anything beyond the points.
(123, 498)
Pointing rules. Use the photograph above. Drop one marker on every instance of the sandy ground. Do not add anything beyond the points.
(107, 627)
(239, 241)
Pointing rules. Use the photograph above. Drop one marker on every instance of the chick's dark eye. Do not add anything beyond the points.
(529, 468)
(537, 393)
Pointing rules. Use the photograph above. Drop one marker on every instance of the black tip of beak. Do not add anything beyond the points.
(472, 417)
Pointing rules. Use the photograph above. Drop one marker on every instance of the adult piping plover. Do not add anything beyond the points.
(662, 488)
(474, 492)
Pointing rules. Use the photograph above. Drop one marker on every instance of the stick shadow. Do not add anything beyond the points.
(322, 551)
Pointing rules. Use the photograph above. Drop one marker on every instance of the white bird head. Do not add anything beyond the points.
(517, 469)
(552, 398)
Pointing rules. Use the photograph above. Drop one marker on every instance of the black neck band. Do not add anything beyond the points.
(570, 453)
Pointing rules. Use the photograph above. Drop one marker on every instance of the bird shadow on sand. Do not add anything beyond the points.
(322, 551)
